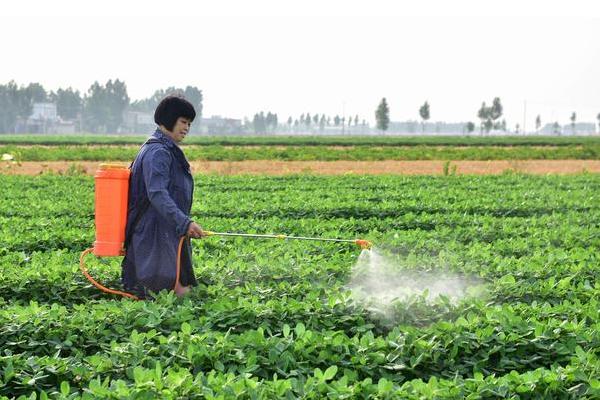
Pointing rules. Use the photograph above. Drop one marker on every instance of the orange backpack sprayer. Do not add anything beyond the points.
(111, 196)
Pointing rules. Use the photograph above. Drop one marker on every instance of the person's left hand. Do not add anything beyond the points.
(195, 231)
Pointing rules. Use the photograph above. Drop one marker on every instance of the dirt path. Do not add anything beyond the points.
(333, 167)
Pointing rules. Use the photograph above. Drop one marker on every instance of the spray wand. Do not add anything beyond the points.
(363, 244)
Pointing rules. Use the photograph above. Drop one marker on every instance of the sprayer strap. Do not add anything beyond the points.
(145, 202)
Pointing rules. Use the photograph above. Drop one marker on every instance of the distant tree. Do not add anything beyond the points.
(556, 128)
(68, 103)
(104, 106)
(424, 113)
(490, 115)
(191, 93)
(36, 93)
(307, 120)
(517, 126)
(26, 96)
(482, 114)
(538, 123)
(469, 127)
(8, 106)
(117, 101)
(194, 96)
(255, 123)
(356, 120)
(271, 122)
(322, 123)
(336, 120)
(497, 109)
(503, 125)
(95, 112)
(302, 119)
(382, 115)
(328, 120)
(316, 119)
(573, 119)
(289, 121)
(259, 123)
(598, 118)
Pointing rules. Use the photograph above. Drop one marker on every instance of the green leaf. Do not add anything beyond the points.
(300, 329)
(507, 280)
(384, 386)
(65, 388)
(186, 328)
(158, 376)
(330, 372)
(286, 330)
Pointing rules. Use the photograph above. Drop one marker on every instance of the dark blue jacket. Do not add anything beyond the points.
(160, 200)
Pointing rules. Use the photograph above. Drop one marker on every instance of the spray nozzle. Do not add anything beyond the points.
(363, 244)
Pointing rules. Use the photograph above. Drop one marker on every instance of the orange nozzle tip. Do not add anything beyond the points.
(364, 244)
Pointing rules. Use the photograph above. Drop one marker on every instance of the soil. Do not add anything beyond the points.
(268, 167)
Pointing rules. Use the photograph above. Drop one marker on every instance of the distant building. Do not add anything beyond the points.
(44, 119)
(138, 122)
(217, 125)
(44, 111)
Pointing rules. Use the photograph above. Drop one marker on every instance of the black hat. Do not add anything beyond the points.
(172, 107)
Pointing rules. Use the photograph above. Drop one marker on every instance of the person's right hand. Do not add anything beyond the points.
(195, 231)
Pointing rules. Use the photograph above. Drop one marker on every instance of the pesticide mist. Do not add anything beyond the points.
(378, 282)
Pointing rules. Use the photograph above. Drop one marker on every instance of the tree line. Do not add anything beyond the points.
(266, 123)
(100, 109)
(489, 117)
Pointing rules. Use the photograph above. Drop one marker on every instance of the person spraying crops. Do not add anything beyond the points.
(143, 213)
(159, 204)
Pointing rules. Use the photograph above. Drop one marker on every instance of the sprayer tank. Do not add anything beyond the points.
(112, 186)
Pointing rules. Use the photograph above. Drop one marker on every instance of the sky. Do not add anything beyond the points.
(332, 57)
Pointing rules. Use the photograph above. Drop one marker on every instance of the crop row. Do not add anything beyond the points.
(576, 380)
(310, 140)
(496, 343)
(311, 153)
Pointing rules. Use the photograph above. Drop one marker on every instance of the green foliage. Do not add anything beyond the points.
(104, 106)
(191, 93)
(424, 113)
(489, 115)
(502, 141)
(17, 101)
(589, 151)
(382, 115)
(274, 319)
(68, 103)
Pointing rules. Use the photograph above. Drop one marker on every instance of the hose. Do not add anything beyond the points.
(118, 292)
(363, 244)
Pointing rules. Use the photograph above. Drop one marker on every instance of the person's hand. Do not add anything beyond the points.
(195, 231)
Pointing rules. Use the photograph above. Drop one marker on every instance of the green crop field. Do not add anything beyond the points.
(306, 148)
(300, 140)
(277, 319)
(310, 153)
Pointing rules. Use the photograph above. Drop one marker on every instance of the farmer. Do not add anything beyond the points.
(160, 199)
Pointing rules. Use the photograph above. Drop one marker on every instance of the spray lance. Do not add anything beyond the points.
(111, 201)
(363, 244)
